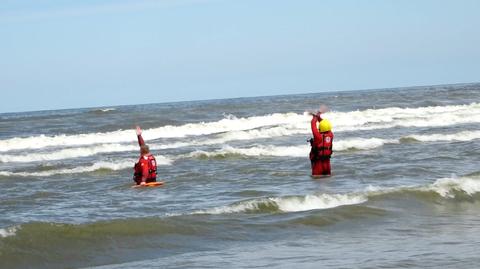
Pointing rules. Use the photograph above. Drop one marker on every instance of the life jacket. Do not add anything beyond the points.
(322, 150)
(152, 167)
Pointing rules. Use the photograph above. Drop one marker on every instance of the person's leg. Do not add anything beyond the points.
(326, 168)
(317, 168)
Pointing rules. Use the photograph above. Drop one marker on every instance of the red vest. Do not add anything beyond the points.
(322, 148)
(146, 167)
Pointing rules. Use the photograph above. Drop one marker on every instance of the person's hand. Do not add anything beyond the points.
(143, 183)
(323, 109)
(315, 114)
(138, 131)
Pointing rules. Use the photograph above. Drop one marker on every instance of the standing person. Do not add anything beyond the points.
(321, 143)
(146, 167)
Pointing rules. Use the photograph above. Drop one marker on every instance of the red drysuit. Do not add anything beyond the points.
(146, 167)
(321, 150)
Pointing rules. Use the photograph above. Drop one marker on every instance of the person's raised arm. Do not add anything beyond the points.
(313, 123)
(139, 136)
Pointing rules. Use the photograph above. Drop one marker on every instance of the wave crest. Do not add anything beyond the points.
(288, 123)
(289, 204)
(98, 166)
(10, 231)
(449, 188)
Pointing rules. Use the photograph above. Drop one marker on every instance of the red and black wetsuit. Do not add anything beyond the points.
(321, 150)
(146, 167)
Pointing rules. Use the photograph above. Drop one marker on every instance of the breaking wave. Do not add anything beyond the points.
(10, 231)
(289, 204)
(98, 166)
(230, 123)
(339, 145)
(292, 151)
(461, 136)
(446, 188)
(288, 123)
(431, 116)
(102, 110)
(67, 153)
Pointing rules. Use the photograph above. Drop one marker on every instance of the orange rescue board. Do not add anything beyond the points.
(150, 184)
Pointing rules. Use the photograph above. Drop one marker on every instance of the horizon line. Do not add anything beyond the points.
(240, 97)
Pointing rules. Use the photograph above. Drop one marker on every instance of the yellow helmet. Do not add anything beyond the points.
(324, 126)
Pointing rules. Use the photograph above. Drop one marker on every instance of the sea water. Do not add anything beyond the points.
(405, 189)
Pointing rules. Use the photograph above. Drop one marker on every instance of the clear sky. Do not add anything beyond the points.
(70, 53)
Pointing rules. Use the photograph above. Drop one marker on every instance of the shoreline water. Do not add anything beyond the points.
(238, 193)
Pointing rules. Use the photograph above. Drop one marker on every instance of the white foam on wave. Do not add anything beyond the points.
(318, 201)
(78, 152)
(290, 204)
(266, 150)
(107, 109)
(292, 151)
(340, 145)
(461, 136)
(9, 231)
(244, 206)
(285, 130)
(406, 117)
(362, 143)
(67, 153)
(118, 165)
(292, 123)
(230, 123)
(445, 187)
(77, 170)
(42, 141)
(448, 187)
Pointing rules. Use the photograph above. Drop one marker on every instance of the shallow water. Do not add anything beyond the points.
(238, 193)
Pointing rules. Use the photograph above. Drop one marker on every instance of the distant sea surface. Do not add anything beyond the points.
(405, 189)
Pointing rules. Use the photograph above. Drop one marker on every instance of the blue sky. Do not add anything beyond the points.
(69, 54)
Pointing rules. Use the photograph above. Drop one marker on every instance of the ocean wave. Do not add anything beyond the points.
(230, 123)
(362, 143)
(288, 204)
(406, 117)
(284, 130)
(67, 245)
(452, 187)
(67, 153)
(102, 110)
(98, 166)
(447, 188)
(291, 151)
(43, 141)
(269, 150)
(78, 152)
(9, 231)
(292, 123)
(461, 136)
(224, 152)
(340, 145)
(49, 239)
(106, 109)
